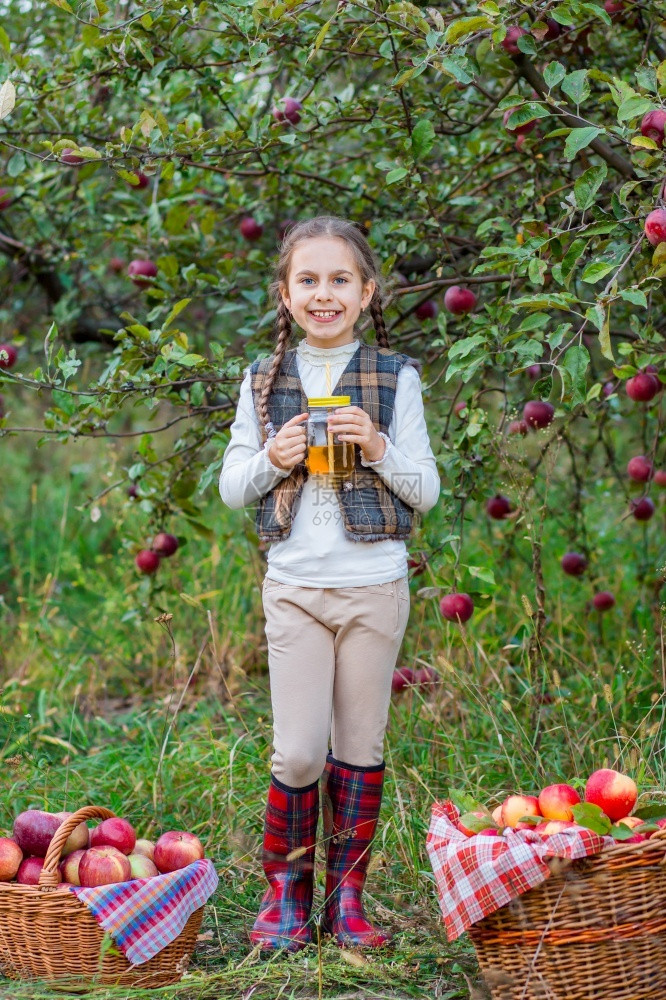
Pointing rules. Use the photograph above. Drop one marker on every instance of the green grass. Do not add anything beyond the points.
(168, 722)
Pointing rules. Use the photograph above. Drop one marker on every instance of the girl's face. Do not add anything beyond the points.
(324, 292)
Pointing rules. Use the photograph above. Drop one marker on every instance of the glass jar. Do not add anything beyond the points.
(326, 454)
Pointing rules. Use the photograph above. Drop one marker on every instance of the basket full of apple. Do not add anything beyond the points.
(46, 929)
(595, 926)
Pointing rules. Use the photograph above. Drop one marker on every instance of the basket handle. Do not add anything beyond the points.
(49, 873)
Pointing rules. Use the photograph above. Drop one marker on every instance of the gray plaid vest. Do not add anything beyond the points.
(370, 511)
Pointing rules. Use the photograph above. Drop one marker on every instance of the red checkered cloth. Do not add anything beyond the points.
(145, 914)
(477, 875)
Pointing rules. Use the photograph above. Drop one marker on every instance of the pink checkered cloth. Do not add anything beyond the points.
(477, 875)
(146, 914)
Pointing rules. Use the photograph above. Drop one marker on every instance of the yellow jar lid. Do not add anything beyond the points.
(329, 400)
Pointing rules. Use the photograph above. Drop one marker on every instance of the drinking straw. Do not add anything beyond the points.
(330, 433)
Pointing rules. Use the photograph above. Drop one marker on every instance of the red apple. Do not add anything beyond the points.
(516, 806)
(603, 600)
(642, 387)
(291, 112)
(145, 847)
(78, 838)
(555, 826)
(642, 509)
(490, 832)
(103, 866)
(653, 370)
(509, 42)
(457, 607)
(653, 124)
(554, 30)
(517, 129)
(11, 857)
(12, 354)
(459, 300)
(574, 564)
(497, 814)
(608, 388)
(555, 802)
(660, 477)
(250, 228)
(70, 157)
(460, 408)
(538, 413)
(141, 272)
(631, 821)
(164, 544)
(69, 869)
(518, 427)
(613, 792)
(613, 6)
(5, 198)
(655, 226)
(141, 866)
(29, 871)
(176, 849)
(116, 265)
(402, 677)
(284, 227)
(147, 561)
(33, 831)
(498, 507)
(426, 677)
(115, 832)
(533, 371)
(427, 310)
(639, 468)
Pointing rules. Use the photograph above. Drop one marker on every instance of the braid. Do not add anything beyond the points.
(378, 319)
(284, 334)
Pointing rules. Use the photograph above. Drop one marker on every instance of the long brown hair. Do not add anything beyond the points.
(368, 265)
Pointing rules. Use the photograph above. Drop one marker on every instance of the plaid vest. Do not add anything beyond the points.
(370, 511)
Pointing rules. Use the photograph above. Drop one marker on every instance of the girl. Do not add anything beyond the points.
(335, 594)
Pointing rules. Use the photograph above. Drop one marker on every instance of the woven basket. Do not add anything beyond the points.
(47, 933)
(595, 928)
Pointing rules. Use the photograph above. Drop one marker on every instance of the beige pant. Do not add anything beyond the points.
(331, 655)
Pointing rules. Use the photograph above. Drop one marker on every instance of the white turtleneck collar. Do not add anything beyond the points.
(318, 356)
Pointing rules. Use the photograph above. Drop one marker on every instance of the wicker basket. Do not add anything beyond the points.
(595, 928)
(47, 933)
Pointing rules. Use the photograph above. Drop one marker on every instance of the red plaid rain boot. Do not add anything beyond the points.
(351, 797)
(290, 824)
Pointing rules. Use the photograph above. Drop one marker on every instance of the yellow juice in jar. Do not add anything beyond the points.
(317, 459)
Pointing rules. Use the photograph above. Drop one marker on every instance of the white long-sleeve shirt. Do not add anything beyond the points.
(317, 553)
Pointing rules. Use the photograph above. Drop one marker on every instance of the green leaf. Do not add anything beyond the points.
(592, 817)
(321, 35)
(587, 185)
(621, 832)
(634, 106)
(484, 573)
(526, 113)
(575, 363)
(651, 810)
(466, 26)
(177, 309)
(477, 823)
(578, 139)
(423, 138)
(62, 4)
(576, 86)
(635, 296)
(464, 801)
(553, 73)
(396, 175)
(4, 40)
(597, 270)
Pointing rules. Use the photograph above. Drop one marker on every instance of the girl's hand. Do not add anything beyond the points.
(354, 424)
(289, 444)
